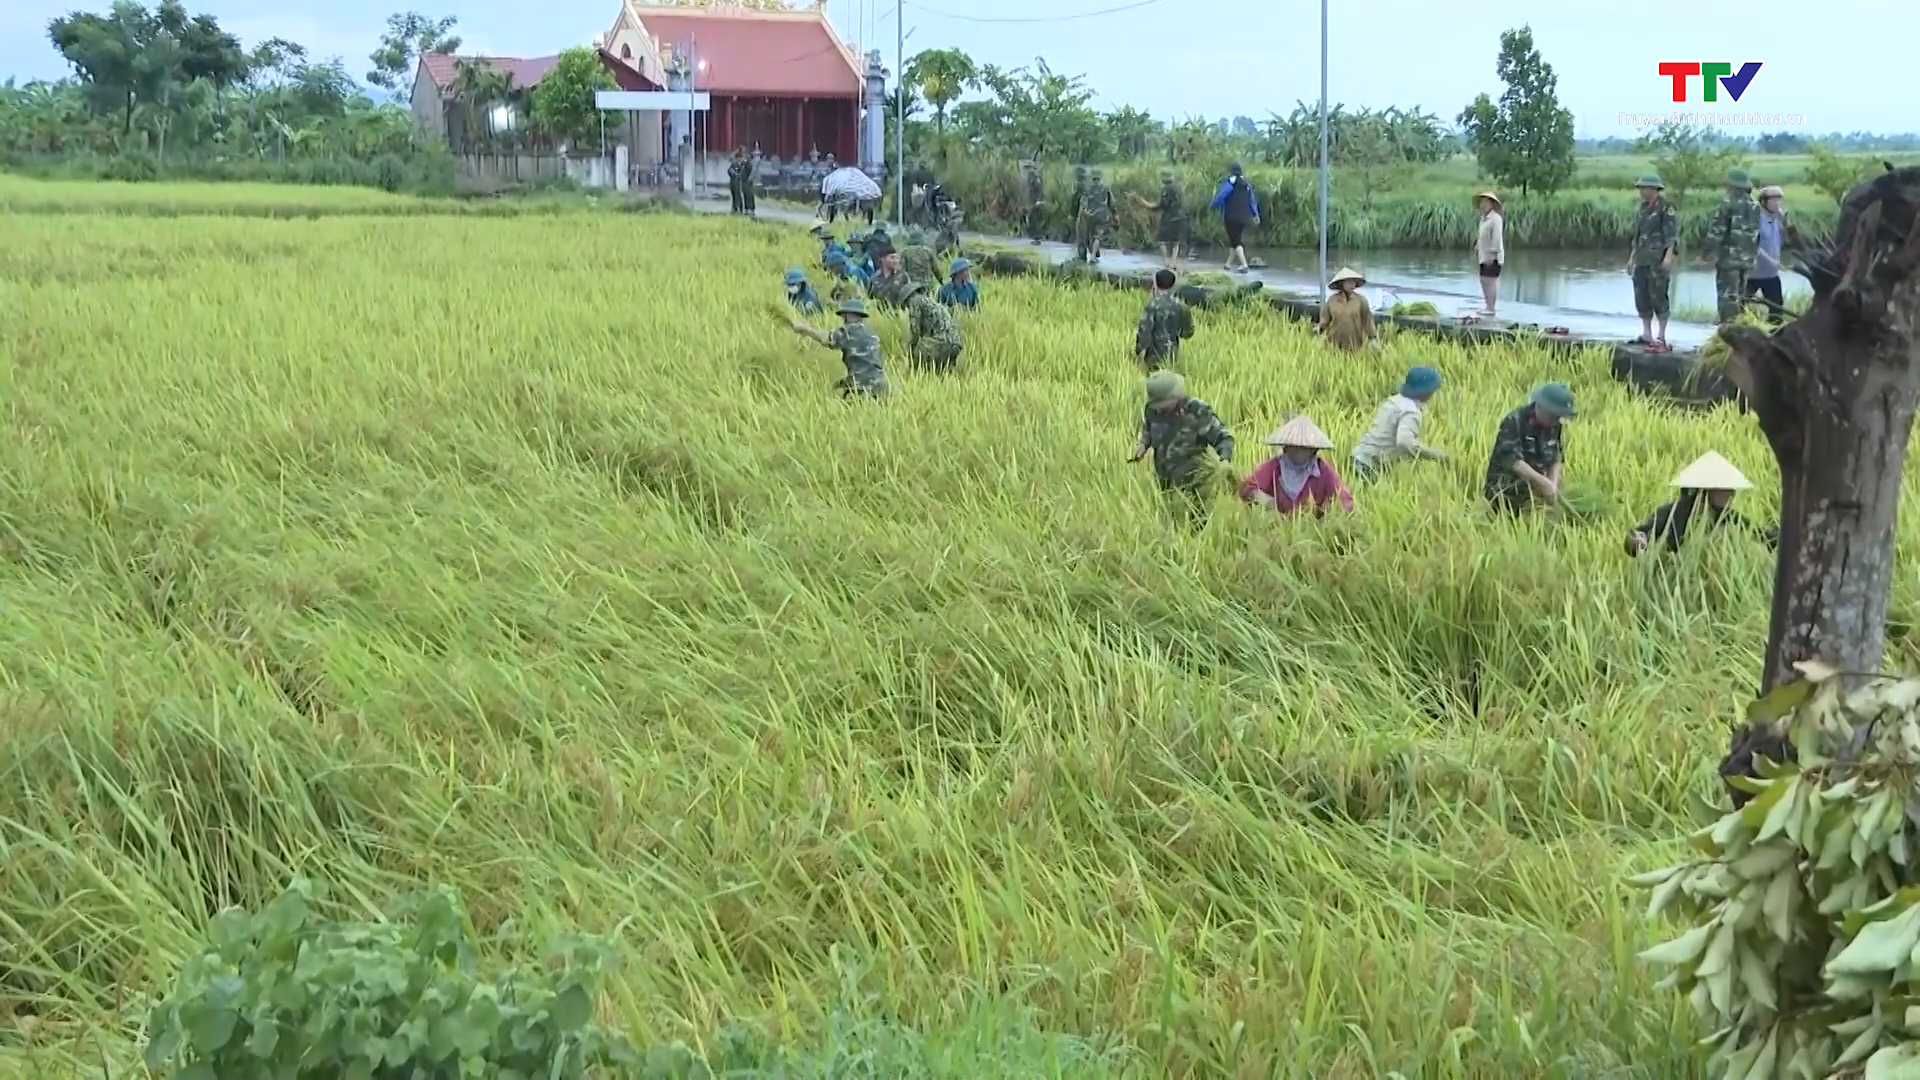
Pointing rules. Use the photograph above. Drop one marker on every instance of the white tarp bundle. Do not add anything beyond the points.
(849, 184)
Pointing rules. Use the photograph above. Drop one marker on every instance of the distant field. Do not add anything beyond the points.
(529, 554)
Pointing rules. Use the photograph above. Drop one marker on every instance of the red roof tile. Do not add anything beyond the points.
(758, 53)
(441, 67)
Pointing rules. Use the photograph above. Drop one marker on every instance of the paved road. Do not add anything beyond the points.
(1600, 326)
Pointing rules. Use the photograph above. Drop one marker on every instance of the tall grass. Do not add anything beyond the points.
(1411, 210)
(528, 555)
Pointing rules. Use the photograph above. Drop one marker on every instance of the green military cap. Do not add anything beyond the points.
(1650, 180)
(1165, 386)
(914, 286)
(852, 305)
(1554, 398)
(1738, 178)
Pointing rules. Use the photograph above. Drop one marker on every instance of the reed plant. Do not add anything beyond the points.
(528, 556)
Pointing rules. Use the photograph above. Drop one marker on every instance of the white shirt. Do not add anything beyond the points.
(1491, 244)
(1395, 433)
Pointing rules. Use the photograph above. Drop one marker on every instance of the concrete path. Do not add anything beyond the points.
(1593, 325)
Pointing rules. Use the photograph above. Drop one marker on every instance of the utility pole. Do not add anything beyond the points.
(900, 113)
(1323, 156)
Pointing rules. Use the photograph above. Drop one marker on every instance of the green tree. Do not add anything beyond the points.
(134, 62)
(563, 106)
(1526, 141)
(941, 76)
(1834, 174)
(1688, 158)
(408, 35)
(1035, 111)
(1131, 131)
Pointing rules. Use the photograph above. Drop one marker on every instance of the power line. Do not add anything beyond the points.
(1043, 19)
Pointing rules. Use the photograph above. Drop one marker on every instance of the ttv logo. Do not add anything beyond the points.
(1712, 77)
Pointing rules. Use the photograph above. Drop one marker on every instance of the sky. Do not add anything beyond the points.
(1184, 58)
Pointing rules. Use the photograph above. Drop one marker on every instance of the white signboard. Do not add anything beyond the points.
(650, 101)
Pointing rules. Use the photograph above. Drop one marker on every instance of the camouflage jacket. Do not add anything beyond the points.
(930, 323)
(886, 288)
(1096, 202)
(917, 261)
(860, 349)
(1035, 187)
(1079, 196)
(1164, 324)
(1656, 229)
(1520, 439)
(1172, 204)
(1179, 439)
(1733, 239)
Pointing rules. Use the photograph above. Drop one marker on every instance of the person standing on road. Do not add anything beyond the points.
(1490, 249)
(1733, 241)
(1036, 201)
(1656, 244)
(1173, 232)
(1524, 467)
(738, 172)
(1770, 238)
(1239, 208)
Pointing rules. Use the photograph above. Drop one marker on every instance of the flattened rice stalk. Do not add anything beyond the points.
(1418, 309)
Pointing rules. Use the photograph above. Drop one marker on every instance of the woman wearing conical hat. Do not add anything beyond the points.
(1296, 475)
(1346, 318)
(1706, 487)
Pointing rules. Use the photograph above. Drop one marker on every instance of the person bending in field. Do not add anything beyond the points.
(1525, 464)
(960, 290)
(859, 349)
(1395, 435)
(1346, 318)
(890, 284)
(828, 245)
(1295, 476)
(1706, 488)
(933, 338)
(800, 294)
(919, 261)
(1179, 431)
(1163, 325)
(848, 280)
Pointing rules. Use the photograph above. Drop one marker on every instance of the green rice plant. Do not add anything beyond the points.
(524, 555)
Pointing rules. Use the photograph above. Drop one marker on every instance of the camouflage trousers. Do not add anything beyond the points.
(935, 355)
(1036, 223)
(1730, 290)
(850, 389)
(1652, 292)
(1087, 234)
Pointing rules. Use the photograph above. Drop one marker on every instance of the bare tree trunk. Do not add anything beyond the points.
(1835, 393)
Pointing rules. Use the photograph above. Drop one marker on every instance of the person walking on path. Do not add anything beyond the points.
(1163, 325)
(933, 338)
(800, 294)
(859, 349)
(1395, 434)
(1490, 249)
(1296, 475)
(1179, 430)
(1346, 318)
(1770, 238)
(738, 171)
(1174, 232)
(1733, 242)
(960, 291)
(1656, 244)
(1093, 209)
(1711, 479)
(1524, 467)
(1036, 201)
(1239, 208)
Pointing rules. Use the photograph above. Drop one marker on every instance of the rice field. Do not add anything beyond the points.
(530, 555)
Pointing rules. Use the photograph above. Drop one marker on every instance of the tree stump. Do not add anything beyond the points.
(1835, 392)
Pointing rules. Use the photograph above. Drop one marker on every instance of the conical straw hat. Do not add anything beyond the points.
(1347, 273)
(1711, 472)
(1300, 431)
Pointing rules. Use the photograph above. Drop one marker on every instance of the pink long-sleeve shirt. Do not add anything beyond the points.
(1323, 486)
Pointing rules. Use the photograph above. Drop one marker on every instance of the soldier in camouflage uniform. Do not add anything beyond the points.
(1092, 214)
(1073, 204)
(1656, 244)
(919, 260)
(889, 286)
(1174, 232)
(859, 349)
(1527, 451)
(1179, 430)
(1036, 201)
(1733, 243)
(1164, 324)
(933, 338)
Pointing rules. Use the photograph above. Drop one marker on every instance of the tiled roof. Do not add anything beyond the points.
(757, 53)
(525, 73)
(626, 75)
